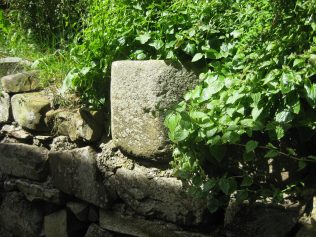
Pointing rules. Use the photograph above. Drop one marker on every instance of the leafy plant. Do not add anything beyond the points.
(254, 104)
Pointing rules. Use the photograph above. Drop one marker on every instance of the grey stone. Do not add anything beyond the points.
(55, 224)
(307, 230)
(12, 65)
(20, 82)
(20, 217)
(93, 215)
(5, 107)
(141, 92)
(263, 220)
(96, 231)
(79, 124)
(63, 224)
(39, 192)
(23, 161)
(29, 110)
(133, 226)
(79, 209)
(149, 192)
(16, 132)
(75, 172)
(308, 222)
(62, 143)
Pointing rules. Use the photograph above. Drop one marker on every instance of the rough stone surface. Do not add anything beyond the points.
(11, 65)
(23, 161)
(149, 191)
(5, 107)
(93, 214)
(20, 217)
(77, 124)
(96, 231)
(16, 132)
(75, 172)
(20, 82)
(79, 209)
(55, 224)
(62, 143)
(263, 220)
(141, 91)
(133, 226)
(29, 110)
(39, 191)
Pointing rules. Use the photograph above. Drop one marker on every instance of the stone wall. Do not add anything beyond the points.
(63, 174)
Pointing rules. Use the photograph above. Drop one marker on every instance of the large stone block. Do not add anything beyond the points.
(24, 161)
(75, 172)
(132, 226)
(5, 107)
(141, 92)
(20, 217)
(11, 65)
(20, 82)
(79, 124)
(29, 110)
(148, 191)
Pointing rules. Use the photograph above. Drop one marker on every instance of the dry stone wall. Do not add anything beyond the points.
(61, 174)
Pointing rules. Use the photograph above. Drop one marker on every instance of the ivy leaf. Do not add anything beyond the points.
(157, 44)
(197, 57)
(247, 181)
(242, 195)
(298, 62)
(218, 152)
(190, 49)
(279, 132)
(211, 90)
(271, 153)
(311, 94)
(213, 204)
(255, 113)
(301, 165)
(180, 134)
(209, 185)
(224, 185)
(251, 146)
(144, 38)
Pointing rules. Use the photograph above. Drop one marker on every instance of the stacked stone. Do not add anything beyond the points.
(63, 175)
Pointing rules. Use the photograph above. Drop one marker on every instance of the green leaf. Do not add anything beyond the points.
(209, 91)
(298, 62)
(271, 153)
(157, 44)
(224, 185)
(213, 204)
(256, 112)
(144, 38)
(209, 185)
(218, 152)
(197, 57)
(247, 181)
(190, 49)
(180, 134)
(301, 165)
(251, 146)
(279, 132)
(242, 195)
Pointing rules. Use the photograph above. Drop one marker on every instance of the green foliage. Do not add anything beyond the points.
(50, 22)
(256, 102)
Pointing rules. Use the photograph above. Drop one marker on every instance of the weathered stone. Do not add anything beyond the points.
(93, 215)
(16, 132)
(96, 231)
(79, 209)
(141, 91)
(307, 230)
(20, 82)
(39, 192)
(23, 161)
(55, 224)
(75, 172)
(263, 220)
(150, 191)
(29, 110)
(133, 226)
(9, 186)
(20, 217)
(5, 107)
(11, 65)
(308, 222)
(77, 124)
(62, 143)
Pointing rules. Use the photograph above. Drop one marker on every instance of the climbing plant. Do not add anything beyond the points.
(255, 107)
